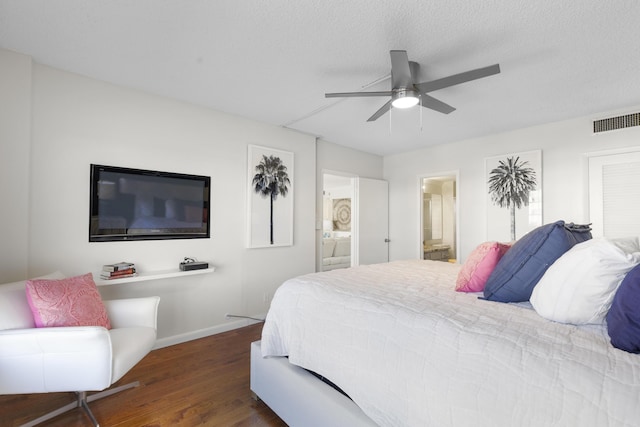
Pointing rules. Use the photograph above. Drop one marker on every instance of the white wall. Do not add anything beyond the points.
(75, 121)
(564, 185)
(338, 192)
(15, 134)
(336, 158)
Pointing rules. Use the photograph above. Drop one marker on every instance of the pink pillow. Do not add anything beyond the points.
(74, 301)
(478, 267)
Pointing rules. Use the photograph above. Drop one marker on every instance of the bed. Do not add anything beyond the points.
(405, 349)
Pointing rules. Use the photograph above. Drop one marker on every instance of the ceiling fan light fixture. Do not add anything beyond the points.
(405, 98)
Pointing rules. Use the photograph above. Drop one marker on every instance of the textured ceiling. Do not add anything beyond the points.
(272, 61)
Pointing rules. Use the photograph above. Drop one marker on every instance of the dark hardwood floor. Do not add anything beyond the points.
(203, 382)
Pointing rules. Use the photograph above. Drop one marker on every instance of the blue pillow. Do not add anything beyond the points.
(623, 318)
(523, 265)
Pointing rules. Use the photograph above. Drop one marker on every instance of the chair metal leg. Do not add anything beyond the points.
(51, 414)
(82, 402)
(110, 391)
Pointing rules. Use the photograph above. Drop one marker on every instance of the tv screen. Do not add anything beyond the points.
(138, 204)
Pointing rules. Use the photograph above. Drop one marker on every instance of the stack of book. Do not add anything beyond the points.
(118, 270)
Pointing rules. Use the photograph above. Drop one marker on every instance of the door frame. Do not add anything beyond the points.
(420, 238)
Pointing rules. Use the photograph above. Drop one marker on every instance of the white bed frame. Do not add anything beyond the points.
(298, 397)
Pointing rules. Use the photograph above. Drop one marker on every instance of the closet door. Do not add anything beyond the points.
(614, 194)
(371, 235)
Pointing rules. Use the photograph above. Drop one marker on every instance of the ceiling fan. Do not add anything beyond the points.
(406, 93)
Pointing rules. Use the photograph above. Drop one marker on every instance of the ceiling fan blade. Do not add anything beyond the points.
(386, 107)
(435, 104)
(456, 79)
(356, 94)
(400, 69)
(415, 70)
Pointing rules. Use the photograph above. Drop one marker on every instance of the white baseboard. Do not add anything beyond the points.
(201, 333)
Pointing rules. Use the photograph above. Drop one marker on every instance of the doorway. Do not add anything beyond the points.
(439, 217)
(355, 221)
(337, 197)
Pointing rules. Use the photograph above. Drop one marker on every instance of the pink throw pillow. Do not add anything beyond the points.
(478, 267)
(74, 301)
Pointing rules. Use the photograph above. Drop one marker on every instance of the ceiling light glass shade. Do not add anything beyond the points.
(406, 102)
(405, 98)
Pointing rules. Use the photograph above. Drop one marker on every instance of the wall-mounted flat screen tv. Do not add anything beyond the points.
(138, 204)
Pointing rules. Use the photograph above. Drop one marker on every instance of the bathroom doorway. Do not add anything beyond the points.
(439, 217)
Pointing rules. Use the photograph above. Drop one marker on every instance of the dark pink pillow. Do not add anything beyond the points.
(74, 301)
(478, 267)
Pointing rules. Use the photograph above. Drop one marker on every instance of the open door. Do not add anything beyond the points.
(371, 210)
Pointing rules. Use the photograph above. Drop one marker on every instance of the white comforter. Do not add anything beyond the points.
(410, 351)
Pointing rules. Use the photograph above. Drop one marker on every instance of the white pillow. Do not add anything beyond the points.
(328, 246)
(343, 246)
(628, 245)
(579, 286)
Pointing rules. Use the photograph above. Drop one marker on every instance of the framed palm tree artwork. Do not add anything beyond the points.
(514, 195)
(270, 197)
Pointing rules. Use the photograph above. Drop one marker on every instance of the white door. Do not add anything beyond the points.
(614, 194)
(371, 236)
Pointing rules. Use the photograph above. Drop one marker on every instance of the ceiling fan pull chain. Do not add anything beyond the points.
(420, 114)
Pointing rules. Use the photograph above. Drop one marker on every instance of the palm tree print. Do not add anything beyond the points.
(509, 186)
(271, 180)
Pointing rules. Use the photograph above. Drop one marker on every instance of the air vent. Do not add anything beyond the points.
(614, 123)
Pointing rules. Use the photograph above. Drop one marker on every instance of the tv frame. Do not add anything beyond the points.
(94, 206)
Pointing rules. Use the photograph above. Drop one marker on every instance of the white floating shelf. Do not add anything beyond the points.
(152, 275)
